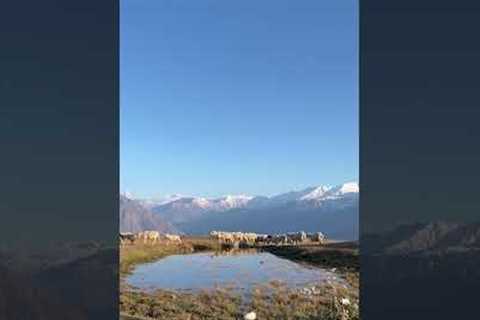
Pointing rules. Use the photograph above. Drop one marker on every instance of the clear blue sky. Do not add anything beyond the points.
(224, 97)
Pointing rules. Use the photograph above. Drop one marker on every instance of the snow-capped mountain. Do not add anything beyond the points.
(345, 193)
(312, 195)
(153, 202)
(317, 193)
(232, 202)
(326, 192)
(187, 208)
(317, 208)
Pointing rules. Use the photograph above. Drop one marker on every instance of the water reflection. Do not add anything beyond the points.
(234, 252)
(239, 269)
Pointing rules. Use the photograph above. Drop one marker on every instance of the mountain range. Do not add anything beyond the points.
(332, 210)
(135, 217)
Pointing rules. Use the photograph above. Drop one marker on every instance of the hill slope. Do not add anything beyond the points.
(134, 217)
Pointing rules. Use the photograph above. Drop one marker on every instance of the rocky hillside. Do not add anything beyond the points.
(134, 217)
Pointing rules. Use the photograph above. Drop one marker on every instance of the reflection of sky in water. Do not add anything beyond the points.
(207, 270)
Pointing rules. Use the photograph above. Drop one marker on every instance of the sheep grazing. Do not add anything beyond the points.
(222, 237)
(126, 238)
(144, 236)
(234, 238)
(296, 237)
(261, 238)
(148, 236)
(317, 237)
(249, 239)
(173, 238)
(280, 239)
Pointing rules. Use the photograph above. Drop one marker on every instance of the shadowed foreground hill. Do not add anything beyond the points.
(22, 298)
(440, 260)
(77, 280)
(73, 281)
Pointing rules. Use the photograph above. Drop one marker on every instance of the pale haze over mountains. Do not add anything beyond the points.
(332, 210)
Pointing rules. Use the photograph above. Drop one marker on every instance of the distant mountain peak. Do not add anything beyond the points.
(234, 201)
(318, 192)
(238, 196)
(322, 193)
(349, 187)
(201, 202)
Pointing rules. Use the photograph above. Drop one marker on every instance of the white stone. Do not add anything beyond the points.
(250, 316)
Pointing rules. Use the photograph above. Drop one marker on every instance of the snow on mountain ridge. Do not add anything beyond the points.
(349, 187)
(233, 201)
(316, 193)
(201, 202)
(309, 195)
(321, 195)
(152, 202)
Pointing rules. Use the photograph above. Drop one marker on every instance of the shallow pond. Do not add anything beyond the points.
(238, 270)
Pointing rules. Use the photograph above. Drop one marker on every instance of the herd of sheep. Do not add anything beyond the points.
(234, 239)
(250, 239)
(148, 237)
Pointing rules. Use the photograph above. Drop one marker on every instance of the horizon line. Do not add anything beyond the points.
(133, 195)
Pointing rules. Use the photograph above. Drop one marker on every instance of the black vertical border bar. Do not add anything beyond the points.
(59, 159)
(419, 159)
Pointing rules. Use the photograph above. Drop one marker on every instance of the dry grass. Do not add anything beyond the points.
(181, 306)
(341, 256)
(275, 303)
(326, 303)
(272, 302)
(140, 253)
(131, 255)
